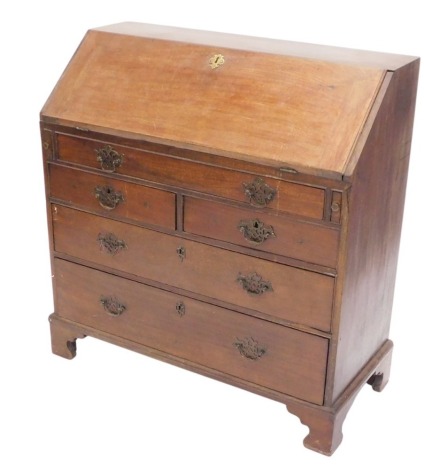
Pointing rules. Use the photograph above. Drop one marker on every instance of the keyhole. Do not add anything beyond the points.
(180, 308)
(181, 252)
(216, 60)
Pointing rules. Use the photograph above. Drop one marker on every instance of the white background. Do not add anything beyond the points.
(114, 409)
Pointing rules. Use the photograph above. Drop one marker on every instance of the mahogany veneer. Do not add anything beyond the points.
(233, 206)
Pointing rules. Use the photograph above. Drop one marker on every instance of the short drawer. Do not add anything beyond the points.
(244, 187)
(291, 294)
(257, 351)
(112, 197)
(297, 239)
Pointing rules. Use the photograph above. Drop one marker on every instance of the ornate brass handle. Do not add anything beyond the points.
(108, 197)
(110, 243)
(254, 284)
(255, 231)
(249, 348)
(258, 192)
(112, 305)
(109, 158)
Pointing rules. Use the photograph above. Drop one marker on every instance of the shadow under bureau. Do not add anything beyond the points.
(231, 205)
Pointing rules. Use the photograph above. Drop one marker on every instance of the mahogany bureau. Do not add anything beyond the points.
(233, 206)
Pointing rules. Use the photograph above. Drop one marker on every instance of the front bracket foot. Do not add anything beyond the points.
(63, 337)
(325, 423)
(325, 426)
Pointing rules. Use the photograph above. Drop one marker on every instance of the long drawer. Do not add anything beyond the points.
(110, 196)
(292, 294)
(239, 186)
(257, 351)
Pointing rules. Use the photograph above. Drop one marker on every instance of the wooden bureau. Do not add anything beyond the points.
(233, 206)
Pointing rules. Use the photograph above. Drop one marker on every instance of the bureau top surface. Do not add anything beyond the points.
(267, 101)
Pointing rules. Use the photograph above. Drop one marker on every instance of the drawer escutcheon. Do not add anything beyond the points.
(180, 308)
(254, 284)
(259, 193)
(181, 252)
(216, 61)
(108, 197)
(249, 348)
(255, 231)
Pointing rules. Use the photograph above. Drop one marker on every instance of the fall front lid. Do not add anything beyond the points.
(152, 83)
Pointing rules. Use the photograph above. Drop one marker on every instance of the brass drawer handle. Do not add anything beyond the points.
(249, 348)
(254, 284)
(259, 193)
(109, 158)
(255, 231)
(180, 308)
(110, 243)
(112, 305)
(108, 197)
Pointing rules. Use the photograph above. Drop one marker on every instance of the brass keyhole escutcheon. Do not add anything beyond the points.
(216, 60)
(181, 252)
(180, 308)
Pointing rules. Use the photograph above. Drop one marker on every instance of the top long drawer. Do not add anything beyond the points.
(276, 194)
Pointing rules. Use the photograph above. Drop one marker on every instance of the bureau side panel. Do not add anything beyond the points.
(375, 210)
(47, 145)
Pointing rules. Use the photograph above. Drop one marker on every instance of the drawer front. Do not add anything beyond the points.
(276, 194)
(260, 352)
(274, 234)
(112, 197)
(288, 293)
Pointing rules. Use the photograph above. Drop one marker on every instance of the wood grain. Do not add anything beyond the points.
(293, 238)
(289, 197)
(298, 296)
(143, 204)
(332, 54)
(374, 224)
(267, 107)
(328, 129)
(204, 334)
(183, 151)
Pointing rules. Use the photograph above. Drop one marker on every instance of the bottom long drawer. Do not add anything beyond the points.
(264, 353)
